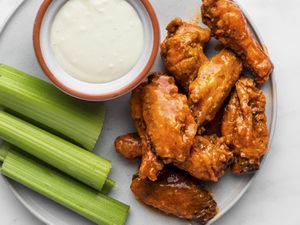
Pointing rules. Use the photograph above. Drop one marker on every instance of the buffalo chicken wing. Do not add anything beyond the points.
(244, 126)
(177, 194)
(230, 27)
(182, 50)
(209, 158)
(213, 84)
(150, 164)
(169, 122)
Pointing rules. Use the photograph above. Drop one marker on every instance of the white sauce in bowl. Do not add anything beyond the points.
(97, 41)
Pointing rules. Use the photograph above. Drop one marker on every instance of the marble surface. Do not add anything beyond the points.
(273, 197)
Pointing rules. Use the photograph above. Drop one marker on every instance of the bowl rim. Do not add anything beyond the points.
(109, 95)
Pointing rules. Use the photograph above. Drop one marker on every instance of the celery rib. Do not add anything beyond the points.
(64, 190)
(65, 156)
(41, 102)
(108, 185)
(4, 148)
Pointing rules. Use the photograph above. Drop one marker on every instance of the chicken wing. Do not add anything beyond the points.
(209, 158)
(129, 146)
(244, 126)
(150, 164)
(213, 84)
(169, 122)
(177, 194)
(182, 50)
(230, 27)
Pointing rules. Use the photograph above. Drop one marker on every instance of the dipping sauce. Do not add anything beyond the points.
(97, 41)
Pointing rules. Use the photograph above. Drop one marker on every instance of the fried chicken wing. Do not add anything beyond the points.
(182, 50)
(209, 158)
(177, 194)
(169, 122)
(129, 146)
(150, 164)
(213, 84)
(230, 27)
(245, 126)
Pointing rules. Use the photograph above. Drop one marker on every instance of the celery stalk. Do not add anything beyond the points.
(57, 152)
(108, 185)
(51, 109)
(64, 190)
(6, 147)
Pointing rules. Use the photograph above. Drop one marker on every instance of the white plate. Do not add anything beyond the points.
(16, 49)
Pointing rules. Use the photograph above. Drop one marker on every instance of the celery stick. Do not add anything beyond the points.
(51, 109)
(108, 185)
(6, 147)
(65, 156)
(64, 190)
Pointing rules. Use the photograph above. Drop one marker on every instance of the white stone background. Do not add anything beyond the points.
(273, 198)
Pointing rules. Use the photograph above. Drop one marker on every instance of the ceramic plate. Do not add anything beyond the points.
(16, 49)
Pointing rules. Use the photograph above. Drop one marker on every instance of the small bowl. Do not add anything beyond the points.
(95, 91)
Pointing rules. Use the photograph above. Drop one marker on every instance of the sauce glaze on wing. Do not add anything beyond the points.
(230, 27)
(129, 145)
(245, 126)
(213, 84)
(209, 159)
(182, 50)
(176, 193)
(150, 164)
(169, 122)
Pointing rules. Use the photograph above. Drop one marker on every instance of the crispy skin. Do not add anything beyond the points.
(129, 146)
(182, 50)
(177, 194)
(169, 122)
(150, 164)
(245, 126)
(213, 84)
(209, 158)
(229, 26)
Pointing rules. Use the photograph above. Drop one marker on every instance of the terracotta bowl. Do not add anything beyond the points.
(95, 91)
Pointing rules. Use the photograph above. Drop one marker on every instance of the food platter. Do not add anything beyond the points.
(17, 50)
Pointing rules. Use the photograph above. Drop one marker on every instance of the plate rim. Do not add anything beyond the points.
(273, 123)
